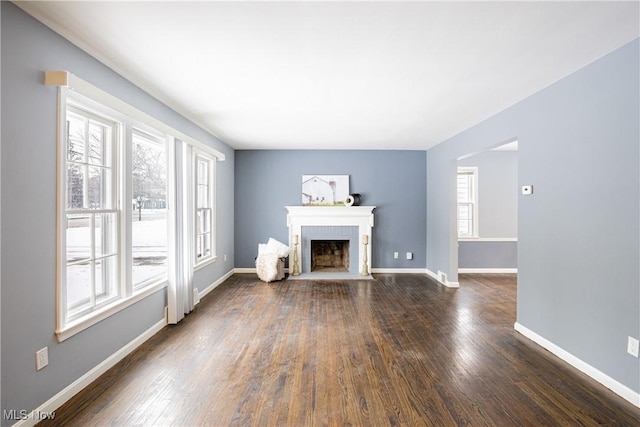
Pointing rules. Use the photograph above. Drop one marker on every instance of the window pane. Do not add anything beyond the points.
(199, 247)
(75, 186)
(78, 286)
(465, 220)
(463, 228)
(76, 138)
(464, 188)
(149, 246)
(98, 185)
(203, 196)
(464, 212)
(199, 221)
(105, 234)
(206, 240)
(105, 278)
(78, 237)
(149, 222)
(206, 221)
(98, 137)
(203, 173)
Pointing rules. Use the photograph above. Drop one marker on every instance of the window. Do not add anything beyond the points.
(123, 194)
(467, 202)
(149, 213)
(91, 217)
(113, 186)
(204, 213)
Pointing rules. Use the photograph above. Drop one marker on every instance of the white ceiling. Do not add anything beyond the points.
(358, 75)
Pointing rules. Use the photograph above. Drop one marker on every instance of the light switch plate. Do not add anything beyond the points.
(632, 346)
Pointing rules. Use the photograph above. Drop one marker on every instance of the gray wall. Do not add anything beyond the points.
(28, 191)
(394, 181)
(578, 245)
(497, 211)
(483, 255)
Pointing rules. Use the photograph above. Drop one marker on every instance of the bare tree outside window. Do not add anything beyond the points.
(149, 222)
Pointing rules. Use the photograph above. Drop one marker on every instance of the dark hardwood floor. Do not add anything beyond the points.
(398, 350)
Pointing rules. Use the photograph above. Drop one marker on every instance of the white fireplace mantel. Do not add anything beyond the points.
(331, 216)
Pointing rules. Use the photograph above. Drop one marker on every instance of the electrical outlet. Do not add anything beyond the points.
(527, 190)
(395, 255)
(632, 346)
(409, 255)
(42, 358)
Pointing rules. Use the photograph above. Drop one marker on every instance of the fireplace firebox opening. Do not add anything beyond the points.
(330, 256)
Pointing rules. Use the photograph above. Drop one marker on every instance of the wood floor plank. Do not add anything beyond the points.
(400, 350)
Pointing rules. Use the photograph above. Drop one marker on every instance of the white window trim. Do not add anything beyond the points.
(128, 294)
(92, 97)
(79, 325)
(473, 170)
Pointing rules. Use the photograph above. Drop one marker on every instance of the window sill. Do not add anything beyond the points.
(79, 325)
(205, 263)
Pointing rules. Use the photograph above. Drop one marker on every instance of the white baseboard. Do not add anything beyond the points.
(613, 385)
(216, 283)
(488, 239)
(399, 270)
(446, 282)
(488, 270)
(373, 270)
(72, 389)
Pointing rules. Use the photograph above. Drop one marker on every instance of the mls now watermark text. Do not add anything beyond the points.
(23, 414)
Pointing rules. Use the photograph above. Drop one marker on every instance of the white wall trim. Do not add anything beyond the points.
(399, 270)
(487, 239)
(78, 326)
(613, 385)
(72, 389)
(216, 283)
(445, 282)
(244, 270)
(488, 270)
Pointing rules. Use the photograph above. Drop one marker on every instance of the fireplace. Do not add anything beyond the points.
(328, 240)
(330, 256)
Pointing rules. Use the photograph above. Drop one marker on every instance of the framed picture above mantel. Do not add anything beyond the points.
(324, 190)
